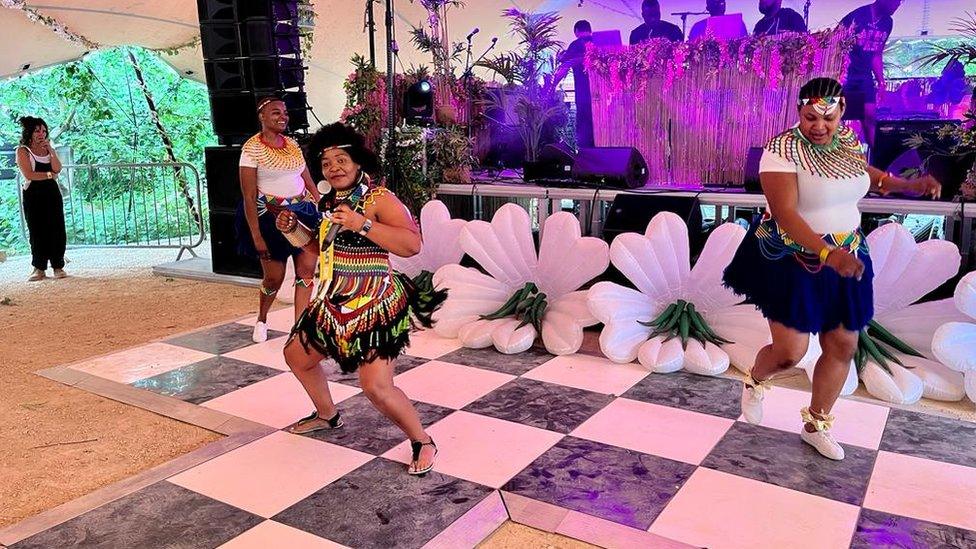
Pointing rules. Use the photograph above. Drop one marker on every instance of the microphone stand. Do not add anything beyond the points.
(371, 27)
(684, 20)
(466, 77)
(391, 52)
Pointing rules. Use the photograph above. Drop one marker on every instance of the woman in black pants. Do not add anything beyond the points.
(43, 207)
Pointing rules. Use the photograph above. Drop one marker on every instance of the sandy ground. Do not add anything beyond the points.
(59, 443)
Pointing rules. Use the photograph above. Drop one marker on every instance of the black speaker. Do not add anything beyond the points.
(220, 40)
(751, 179)
(275, 73)
(266, 37)
(223, 181)
(217, 10)
(234, 114)
(890, 136)
(223, 247)
(619, 167)
(297, 104)
(225, 75)
(278, 10)
(556, 161)
(630, 213)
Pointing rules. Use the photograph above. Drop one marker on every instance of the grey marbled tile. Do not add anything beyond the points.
(709, 395)
(368, 430)
(538, 404)
(160, 515)
(878, 529)
(207, 379)
(612, 483)
(380, 505)
(490, 359)
(402, 364)
(220, 340)
(781, 458)
(931, 437)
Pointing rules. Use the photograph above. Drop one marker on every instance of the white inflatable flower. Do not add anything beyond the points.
(524, 294)
(894, 357)
(442, 243)
(679, 317)
(954, 343)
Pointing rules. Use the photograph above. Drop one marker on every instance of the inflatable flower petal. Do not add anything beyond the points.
(442, 244)
(954, 343)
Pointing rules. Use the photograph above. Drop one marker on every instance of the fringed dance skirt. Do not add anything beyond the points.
(790, 286)
(367, 311)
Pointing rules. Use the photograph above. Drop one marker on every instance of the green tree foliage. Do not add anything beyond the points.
(95, 106)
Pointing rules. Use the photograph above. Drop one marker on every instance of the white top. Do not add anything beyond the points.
(285, 180)
(34, 159)
(827, 205)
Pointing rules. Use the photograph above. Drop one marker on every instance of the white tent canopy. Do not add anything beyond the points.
(339, 30)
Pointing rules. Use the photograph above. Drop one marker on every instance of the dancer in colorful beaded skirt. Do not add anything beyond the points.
(364, 311)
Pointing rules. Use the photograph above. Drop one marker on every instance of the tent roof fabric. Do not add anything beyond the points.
(339, 30)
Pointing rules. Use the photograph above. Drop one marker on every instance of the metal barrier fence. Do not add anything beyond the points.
(137, 205)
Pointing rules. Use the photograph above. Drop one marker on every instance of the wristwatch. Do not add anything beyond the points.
(366, 227)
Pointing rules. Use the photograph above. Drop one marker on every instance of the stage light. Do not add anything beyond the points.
(418, 104)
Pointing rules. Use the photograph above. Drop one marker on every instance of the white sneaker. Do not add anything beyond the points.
(752, 402)
(260, 334)
(36, 275)
(823, 442)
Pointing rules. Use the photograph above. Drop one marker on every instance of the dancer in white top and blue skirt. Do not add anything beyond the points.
(806, 265)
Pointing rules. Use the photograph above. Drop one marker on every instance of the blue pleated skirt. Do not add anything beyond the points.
(791, 287)
(278, 246)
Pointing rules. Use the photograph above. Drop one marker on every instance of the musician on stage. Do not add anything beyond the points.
(777, 19)
(653, 26)
(572, 58)
(865, 74)
(718, 23)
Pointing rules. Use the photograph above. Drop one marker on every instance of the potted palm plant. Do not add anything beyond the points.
(527, 100)
(954, 146)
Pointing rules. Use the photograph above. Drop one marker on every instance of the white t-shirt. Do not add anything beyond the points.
(828, 205)
(276, 176)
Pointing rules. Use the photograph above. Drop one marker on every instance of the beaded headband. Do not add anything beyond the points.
(264, 103)
(823, 105)
(347, 146)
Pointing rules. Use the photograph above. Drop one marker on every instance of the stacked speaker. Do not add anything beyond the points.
(251, 48)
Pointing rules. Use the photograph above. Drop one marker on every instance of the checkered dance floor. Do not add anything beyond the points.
(597, 451)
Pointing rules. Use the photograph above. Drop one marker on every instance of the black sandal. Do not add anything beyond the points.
(416, 446)
(335, 422)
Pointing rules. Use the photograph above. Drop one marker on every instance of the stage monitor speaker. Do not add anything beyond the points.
(555, 162)
(217, 10)
(220, 40)
(890, 136)
(266, 37)
(223, 182)
(223, 247)
(618, 167)
(751, 180)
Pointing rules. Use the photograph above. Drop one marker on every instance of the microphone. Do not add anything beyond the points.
(494, 41)
(332, 234)
(472, 33)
